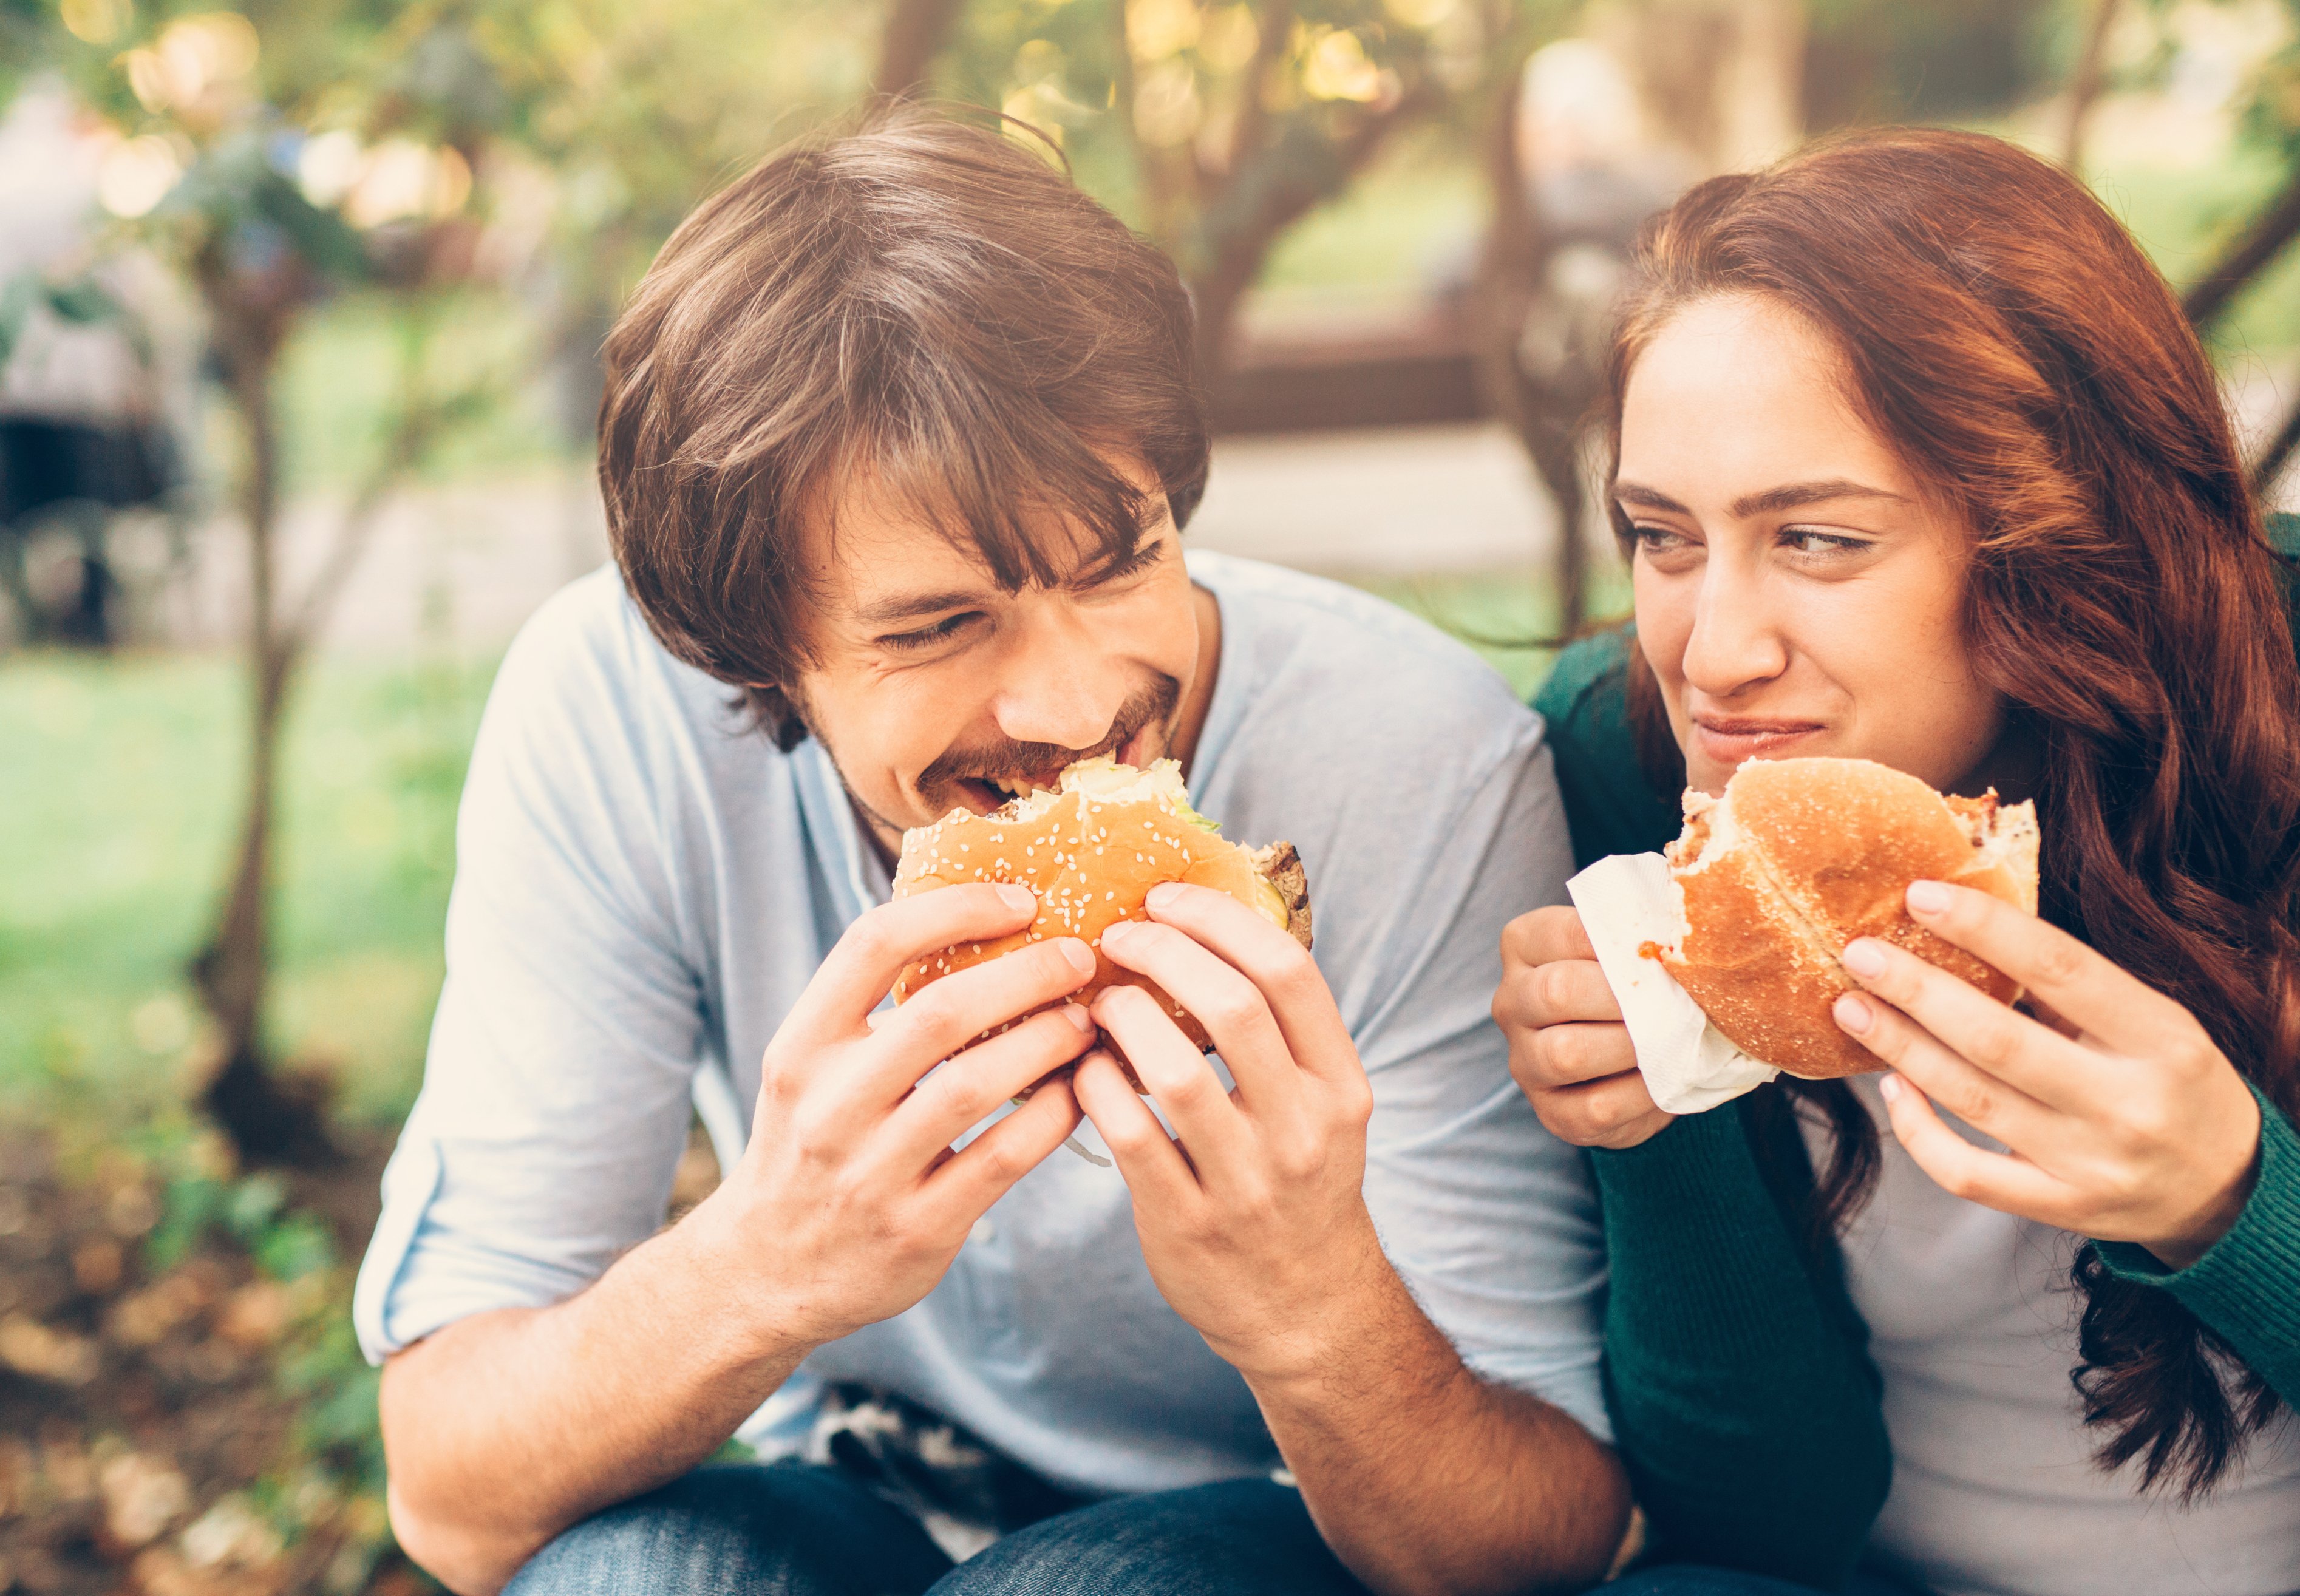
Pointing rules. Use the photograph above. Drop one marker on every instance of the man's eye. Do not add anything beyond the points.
(1133, 565)
(942, 631)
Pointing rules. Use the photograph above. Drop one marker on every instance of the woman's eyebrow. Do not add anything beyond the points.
(1796, 495)
(1630, 492)
(1793, 495)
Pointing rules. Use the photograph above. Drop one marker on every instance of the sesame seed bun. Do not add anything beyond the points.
(1797, 859)
(1092, 848)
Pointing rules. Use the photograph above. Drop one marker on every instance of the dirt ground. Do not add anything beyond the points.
(155, 1432)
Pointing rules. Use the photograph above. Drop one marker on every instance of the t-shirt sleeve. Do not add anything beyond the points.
(1490, 1219)
(555, 1095)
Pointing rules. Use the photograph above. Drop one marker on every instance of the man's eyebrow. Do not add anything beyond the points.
(917, 606)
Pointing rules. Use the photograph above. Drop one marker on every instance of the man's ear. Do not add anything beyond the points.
(774, 712)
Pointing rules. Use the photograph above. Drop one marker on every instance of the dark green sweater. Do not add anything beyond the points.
(1745, 1405)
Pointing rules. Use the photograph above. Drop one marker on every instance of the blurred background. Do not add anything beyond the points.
(298, 312)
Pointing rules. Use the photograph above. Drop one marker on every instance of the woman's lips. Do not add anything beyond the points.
(1728, 742)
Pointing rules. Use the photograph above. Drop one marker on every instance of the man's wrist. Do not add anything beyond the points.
(1356, 1303)
(715, 1255)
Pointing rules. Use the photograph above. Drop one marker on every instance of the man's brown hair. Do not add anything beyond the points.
(918, 301)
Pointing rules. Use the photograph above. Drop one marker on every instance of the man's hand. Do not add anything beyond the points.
(1255, 1223)
(849, 1205)
(1568, 1050)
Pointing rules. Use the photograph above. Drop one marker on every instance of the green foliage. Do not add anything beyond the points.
(1886, 61)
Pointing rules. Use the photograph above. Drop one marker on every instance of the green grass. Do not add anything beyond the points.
(118, 806)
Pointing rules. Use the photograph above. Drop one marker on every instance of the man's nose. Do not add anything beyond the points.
(1059, 689)
(1736, 640)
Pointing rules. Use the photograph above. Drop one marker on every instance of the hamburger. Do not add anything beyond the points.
(1092, 846)
(1799, 858)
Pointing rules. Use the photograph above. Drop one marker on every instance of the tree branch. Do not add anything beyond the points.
(2086, 83)
(2277, 452)
(2275, 225)
(1269, 196)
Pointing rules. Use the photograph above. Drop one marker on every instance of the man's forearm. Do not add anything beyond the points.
(506, 1428)
(1424, 1478)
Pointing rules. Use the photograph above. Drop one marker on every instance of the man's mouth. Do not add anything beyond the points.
(987, 791)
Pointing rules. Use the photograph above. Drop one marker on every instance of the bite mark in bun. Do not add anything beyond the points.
(1092, 847)
(1799, 858)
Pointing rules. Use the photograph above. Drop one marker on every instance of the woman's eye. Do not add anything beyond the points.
(942, 631)
(1659, 540)
(1805, 540)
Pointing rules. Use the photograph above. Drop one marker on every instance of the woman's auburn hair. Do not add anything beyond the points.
(2005, 334)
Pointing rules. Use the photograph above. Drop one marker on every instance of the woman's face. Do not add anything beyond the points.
(1795, 594)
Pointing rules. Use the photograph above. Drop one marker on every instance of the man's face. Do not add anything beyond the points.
(935, 689)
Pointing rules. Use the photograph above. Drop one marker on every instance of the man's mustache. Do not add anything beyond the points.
(1153, 705)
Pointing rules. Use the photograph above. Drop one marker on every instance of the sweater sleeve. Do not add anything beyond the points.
(2247, 1284)
(1746, 1412)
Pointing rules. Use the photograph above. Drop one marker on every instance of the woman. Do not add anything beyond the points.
(1915, 460)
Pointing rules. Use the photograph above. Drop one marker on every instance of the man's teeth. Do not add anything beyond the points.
(1015, 786)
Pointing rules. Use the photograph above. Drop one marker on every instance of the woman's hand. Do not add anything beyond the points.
(2136, 1128)
(1568, 1049)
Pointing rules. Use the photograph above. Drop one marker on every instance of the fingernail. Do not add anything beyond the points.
(1081, 957)
(1161, 895)
(1079, 1018)
(1891, 1087)
(1928, 897)
(1015, 895)
(1116, 932)
(1853, 1013)
(1865, 957)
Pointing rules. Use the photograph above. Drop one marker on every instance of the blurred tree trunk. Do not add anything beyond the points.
(915, 33)
(1724, 79)
(1220, 204)
(270, 1120)
(1546, 407)
(2087, 82)
(267, 1122)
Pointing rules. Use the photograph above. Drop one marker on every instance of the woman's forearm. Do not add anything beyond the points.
(503, 1429)
(1747, 1414)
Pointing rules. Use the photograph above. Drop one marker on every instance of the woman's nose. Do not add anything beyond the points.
(1736, 641)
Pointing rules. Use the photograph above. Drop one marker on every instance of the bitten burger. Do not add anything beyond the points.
(1092, 847)
(1799, 857)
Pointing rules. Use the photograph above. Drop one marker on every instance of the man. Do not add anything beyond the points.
(898, 436)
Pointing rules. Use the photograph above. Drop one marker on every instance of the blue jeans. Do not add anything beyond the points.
(796, 1529)
(1682, 1579)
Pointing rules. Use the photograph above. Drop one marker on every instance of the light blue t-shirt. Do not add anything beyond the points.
(645, 885)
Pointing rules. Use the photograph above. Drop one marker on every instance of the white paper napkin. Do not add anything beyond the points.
(1627, 900)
